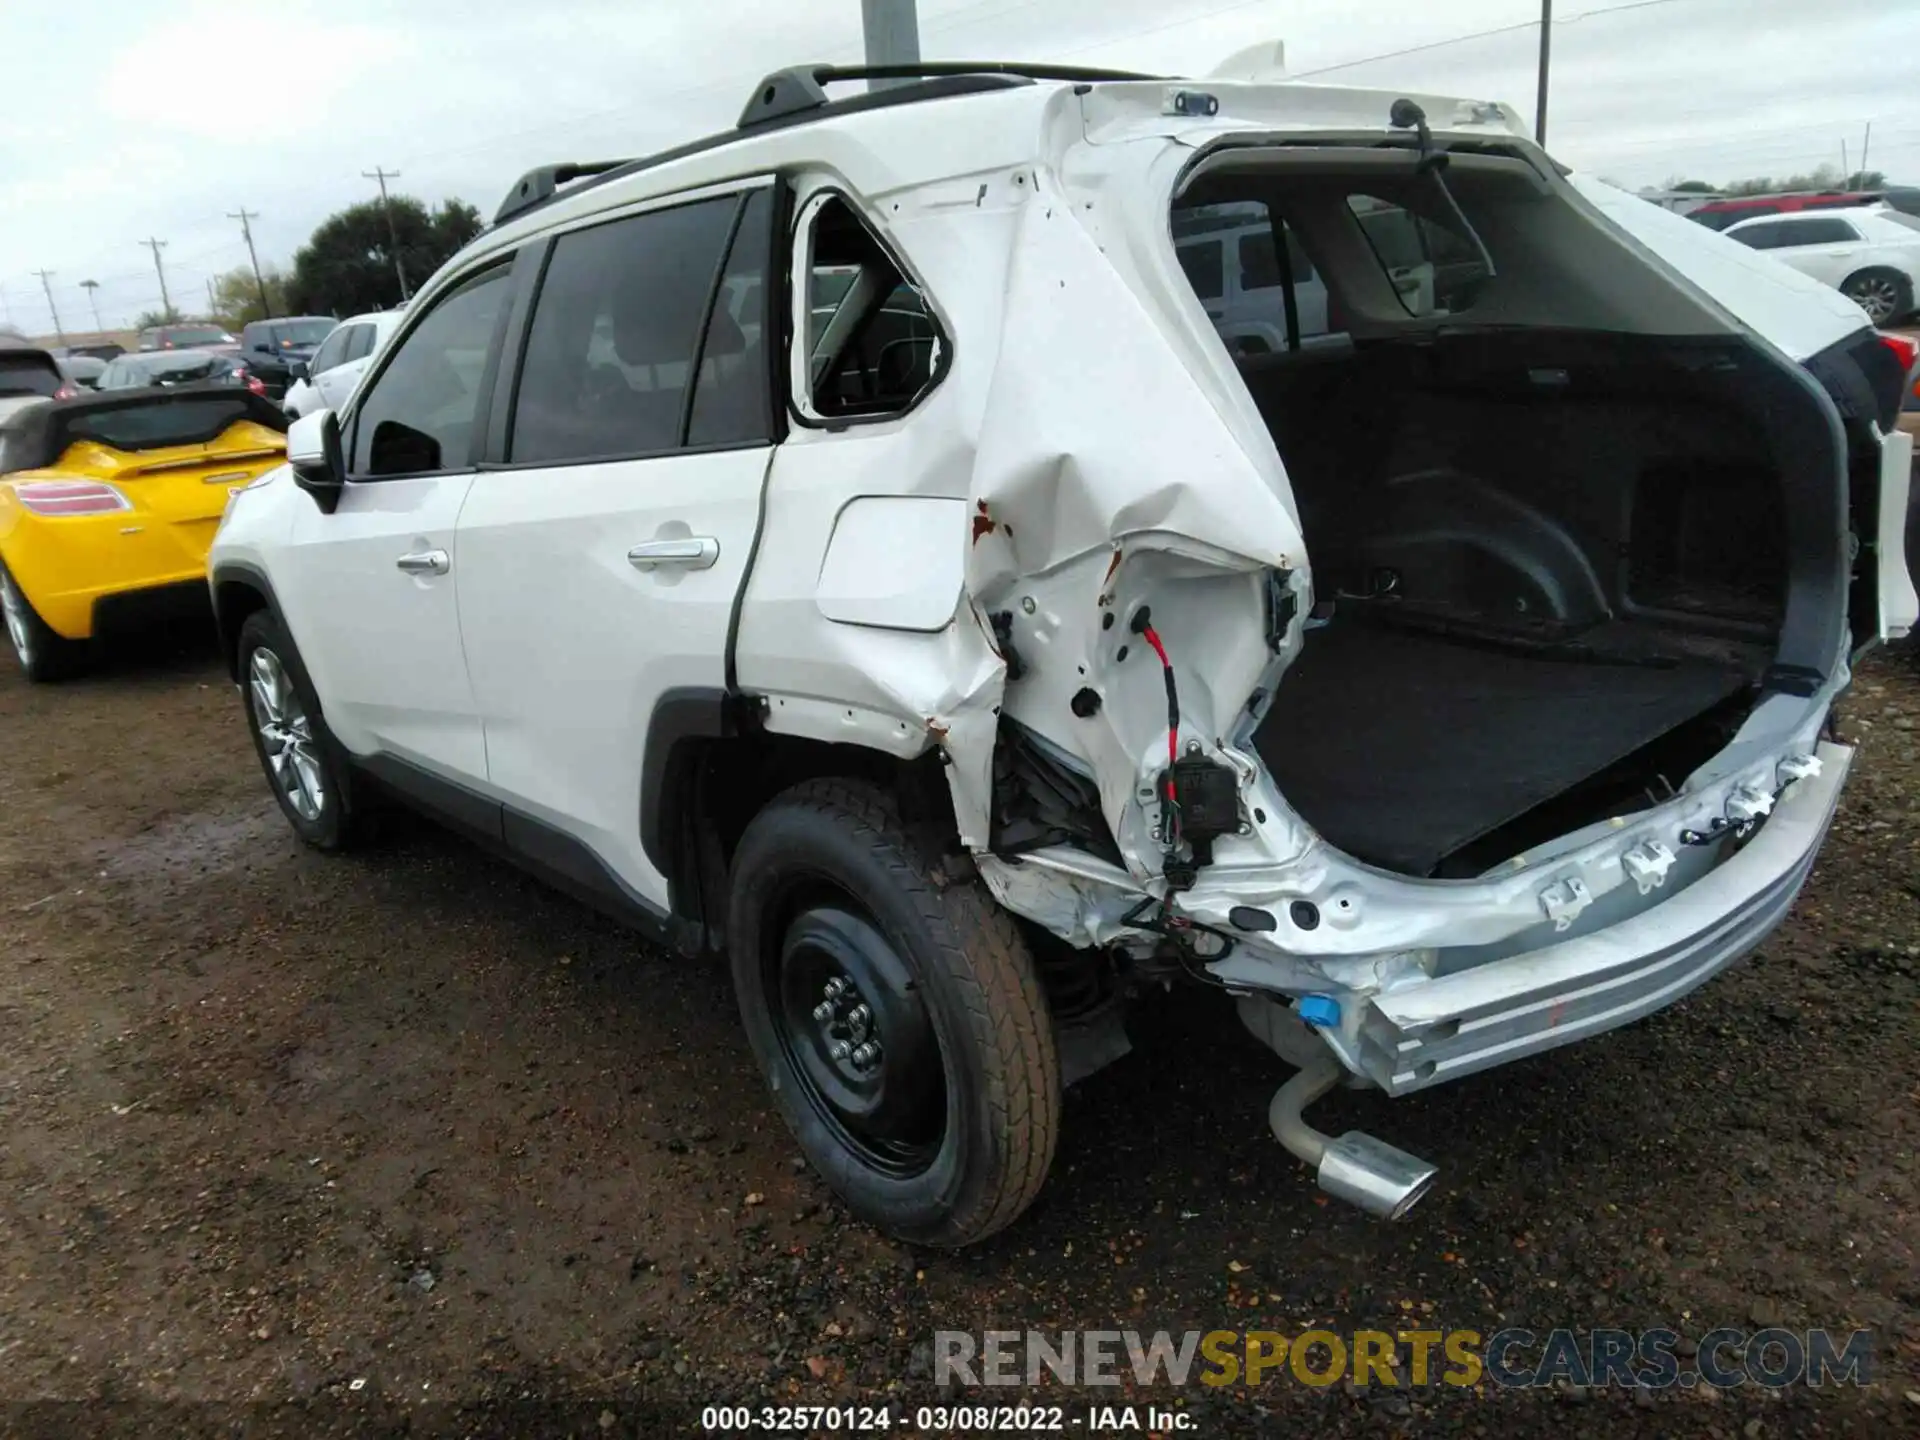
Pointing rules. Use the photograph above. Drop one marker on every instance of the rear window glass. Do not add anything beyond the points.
(172, 369)
(195, 335)
(28, 375)
(301, 332)
(1433, 268)
(176, 422)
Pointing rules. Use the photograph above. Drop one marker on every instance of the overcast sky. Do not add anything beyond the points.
(134, 119)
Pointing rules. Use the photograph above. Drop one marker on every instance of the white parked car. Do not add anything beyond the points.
(1870, 256)
(339, 363)
(848, 544)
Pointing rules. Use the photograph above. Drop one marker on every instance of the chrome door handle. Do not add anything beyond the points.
(425, 562)
(695, 552)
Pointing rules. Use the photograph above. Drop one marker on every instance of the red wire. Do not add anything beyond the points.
(1173, 731)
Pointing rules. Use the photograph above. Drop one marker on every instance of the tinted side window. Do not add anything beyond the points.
(419, 414)
(360, 342)
(331, 352)
(1761, 237)
(1822, 231)
(610, 351)
(731, 398)
(1206, 266)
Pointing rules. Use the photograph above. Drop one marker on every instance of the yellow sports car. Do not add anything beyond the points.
(108, 503)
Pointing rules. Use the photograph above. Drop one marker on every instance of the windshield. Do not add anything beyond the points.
(173, 370)
(151, 427)
(1898, 217)
(27, 375)
(196, 335)
(301, 333)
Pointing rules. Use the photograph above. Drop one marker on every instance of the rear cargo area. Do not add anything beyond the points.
(1550, 569)
(1567, 523)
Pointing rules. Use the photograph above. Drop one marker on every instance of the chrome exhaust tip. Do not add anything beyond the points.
(1381, 1179)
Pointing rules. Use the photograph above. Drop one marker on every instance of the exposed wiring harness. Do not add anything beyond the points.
(1142, 625)
(1155, 916)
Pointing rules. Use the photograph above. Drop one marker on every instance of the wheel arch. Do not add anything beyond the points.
(709, 766)
(239, 590)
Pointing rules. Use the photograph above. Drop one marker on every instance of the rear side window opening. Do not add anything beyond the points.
(870, 342)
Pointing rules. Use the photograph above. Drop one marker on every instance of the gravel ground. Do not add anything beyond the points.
(405, 1143)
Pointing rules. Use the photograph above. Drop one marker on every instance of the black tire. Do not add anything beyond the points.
(43, 655)
(829, 864)
(314, 787)
(1870, 288)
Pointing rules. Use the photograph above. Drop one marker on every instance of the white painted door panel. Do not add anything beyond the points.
(571, 643)
(382, 643)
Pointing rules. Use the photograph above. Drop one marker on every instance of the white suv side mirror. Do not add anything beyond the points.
(318, 460)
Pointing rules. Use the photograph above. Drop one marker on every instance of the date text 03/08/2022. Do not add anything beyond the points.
(963, 1419)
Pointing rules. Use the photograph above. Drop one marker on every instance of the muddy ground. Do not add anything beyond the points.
(294, 1144)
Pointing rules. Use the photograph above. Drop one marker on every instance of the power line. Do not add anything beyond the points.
(1181, 23)
(1478, 35)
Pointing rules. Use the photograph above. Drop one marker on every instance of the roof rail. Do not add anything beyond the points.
(803, 87)
(793, 96)
(536, 187)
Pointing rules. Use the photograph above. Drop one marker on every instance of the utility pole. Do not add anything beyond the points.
(92, 287)
(893, 35)
(244, 216)
(1864, 143)
(1546, 54)
(212, 306)
(166, 304)
(46, 284)
(393, 232)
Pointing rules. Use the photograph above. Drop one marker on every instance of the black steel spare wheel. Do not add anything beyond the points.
(896, 1013)
(860, 1042)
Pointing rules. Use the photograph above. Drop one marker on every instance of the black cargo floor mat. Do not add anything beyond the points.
(1401, 748)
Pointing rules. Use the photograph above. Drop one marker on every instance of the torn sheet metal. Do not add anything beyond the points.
(1108, 479)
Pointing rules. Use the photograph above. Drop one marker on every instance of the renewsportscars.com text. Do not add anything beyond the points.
(1724, 1358)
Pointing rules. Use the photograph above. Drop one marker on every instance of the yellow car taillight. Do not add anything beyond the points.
(70, 497)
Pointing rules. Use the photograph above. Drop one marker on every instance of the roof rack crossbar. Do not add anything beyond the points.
(538, 184)
(803, 87)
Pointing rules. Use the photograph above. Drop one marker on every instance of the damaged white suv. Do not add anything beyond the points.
(973, 549)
